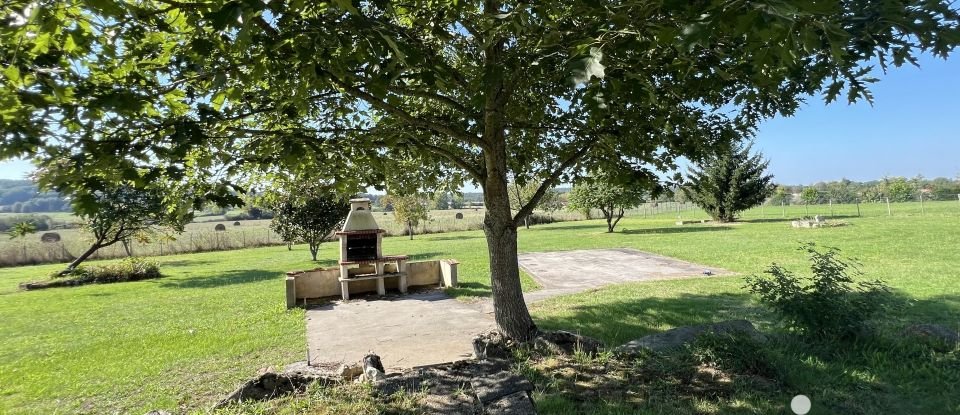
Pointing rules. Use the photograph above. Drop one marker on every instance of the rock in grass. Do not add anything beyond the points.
(515, 404)
(940, 338)
(350, 372)
(565, 342)
(372, 368)
(491, 345)
(679, 336)
(295, 379)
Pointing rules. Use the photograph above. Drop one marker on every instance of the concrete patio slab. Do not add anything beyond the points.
(406, 331)
(430, 327)
(567, 272)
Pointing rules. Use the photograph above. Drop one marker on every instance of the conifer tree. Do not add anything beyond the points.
(730, 182)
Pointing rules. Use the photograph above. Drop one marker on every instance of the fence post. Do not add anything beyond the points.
(889, 212)
(831, 208)
(922, 211)
(783, 209)
(858, 207)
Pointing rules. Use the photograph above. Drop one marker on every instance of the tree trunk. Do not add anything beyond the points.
(314, 248)
(73, 265)
(410, 229)
(126, 247)
(526, 221)
(510, 310)
(608, 215)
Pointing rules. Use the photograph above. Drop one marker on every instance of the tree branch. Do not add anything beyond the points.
(474, 171)
(403, 115)
(551, 181)
(443, 99)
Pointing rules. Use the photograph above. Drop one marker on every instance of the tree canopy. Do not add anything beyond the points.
(610, 198)
(409, 210)
(310, 216)
(377, 93)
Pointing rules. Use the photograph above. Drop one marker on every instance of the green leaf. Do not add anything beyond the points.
(12, 73)
(227, 15)
(393, 46)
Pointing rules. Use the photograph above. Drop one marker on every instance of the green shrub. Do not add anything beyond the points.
(828, 303)
(237, 215)
(129, 269)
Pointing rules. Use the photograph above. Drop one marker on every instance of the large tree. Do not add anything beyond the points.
(361, 92)
(729, 182)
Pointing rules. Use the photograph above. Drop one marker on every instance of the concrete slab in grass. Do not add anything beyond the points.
(566, 272)
(406, 331)
(428, 328)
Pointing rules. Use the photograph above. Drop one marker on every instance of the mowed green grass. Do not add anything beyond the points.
(182, 342)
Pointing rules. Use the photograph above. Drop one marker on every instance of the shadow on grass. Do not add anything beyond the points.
(886, 372)
(599, 226)
(469, 289)
(423, 256)
(184, 262)
(452, 238)
(222, 279)
(792, 218)
(678, 229)
(617, 322)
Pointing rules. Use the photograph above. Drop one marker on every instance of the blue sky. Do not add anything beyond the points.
(912, 128)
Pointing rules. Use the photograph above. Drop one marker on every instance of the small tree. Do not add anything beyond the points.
(729, 182)
(408, 210)
(781, 196)
(521, 195)
(122, 212)
(311, 216)
(831, 302)
(611, 199)
(898, 189)
(809, 195)
(21, 230)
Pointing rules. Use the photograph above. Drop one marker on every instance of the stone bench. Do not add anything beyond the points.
(400, 261)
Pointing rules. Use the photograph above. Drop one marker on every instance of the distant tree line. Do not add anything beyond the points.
(897, 189)
(22, 196)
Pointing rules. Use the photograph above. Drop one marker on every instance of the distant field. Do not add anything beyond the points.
(200, 235)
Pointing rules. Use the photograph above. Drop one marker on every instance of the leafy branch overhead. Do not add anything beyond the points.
(269, 82)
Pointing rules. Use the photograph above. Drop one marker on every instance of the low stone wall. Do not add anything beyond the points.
(324, 282)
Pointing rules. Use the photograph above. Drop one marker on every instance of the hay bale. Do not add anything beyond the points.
(237, 223)
(220, 227)
(459, 215)
(50, 237)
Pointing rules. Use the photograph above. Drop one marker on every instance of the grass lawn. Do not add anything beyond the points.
(181, 342)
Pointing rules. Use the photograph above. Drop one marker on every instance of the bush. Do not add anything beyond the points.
(828, 303)
(129, 269)
(237, 215)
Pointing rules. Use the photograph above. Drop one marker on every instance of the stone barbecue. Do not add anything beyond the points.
(361, 255)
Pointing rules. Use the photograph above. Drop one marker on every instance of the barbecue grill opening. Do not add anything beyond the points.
(361, 247)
